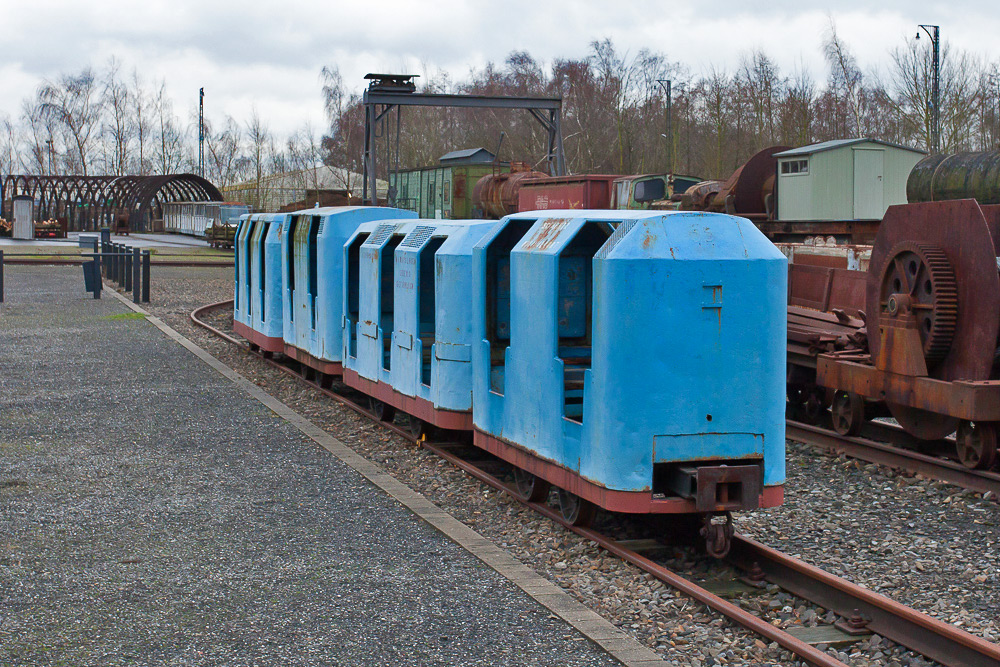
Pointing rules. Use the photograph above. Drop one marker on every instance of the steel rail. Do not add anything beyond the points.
(908, 627)
(917, 631)
(896, 457)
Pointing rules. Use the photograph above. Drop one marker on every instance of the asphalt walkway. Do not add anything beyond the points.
(152, 512)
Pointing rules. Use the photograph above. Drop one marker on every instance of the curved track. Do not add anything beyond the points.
(916, 631)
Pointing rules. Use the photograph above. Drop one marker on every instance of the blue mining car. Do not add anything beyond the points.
(257, 301)
(634, 360)
(312, 253)
(407, 331)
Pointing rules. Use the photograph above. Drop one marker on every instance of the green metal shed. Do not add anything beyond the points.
(445, 191)
(846, 179)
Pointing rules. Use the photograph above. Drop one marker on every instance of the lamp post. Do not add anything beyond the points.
(665, 84)
(934, 32)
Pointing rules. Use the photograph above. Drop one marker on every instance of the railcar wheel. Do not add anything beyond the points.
(976, 444)
(575, 510)
(848, 413)
(718, 532)
(806, 404)
(530, 488)
(417, 427)
(382, 410)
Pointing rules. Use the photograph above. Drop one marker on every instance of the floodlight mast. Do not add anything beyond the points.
(934, 32)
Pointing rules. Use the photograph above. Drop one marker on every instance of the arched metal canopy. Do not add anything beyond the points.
(89, 202)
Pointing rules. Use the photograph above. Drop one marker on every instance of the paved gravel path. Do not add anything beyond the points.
(152, 513)
(920, 542)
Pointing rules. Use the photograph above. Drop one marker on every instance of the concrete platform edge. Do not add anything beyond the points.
(591, 625)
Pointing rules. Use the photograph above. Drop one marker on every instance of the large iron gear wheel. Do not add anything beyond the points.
(923, 272)
(969, 236)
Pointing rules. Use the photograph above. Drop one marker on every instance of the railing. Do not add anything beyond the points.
(119, 263)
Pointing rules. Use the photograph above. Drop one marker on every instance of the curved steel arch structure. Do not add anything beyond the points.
(90, 202)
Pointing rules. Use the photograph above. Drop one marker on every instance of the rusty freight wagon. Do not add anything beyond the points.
(591, 191)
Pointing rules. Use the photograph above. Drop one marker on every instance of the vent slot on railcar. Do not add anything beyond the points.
(427, 305)
(262, 259)
(248, 264)
(300, 252)
(498, 297)
(313, 266)
(574, 313)
(387, 296)
(354, 292)
(237, 251)
(290, 236)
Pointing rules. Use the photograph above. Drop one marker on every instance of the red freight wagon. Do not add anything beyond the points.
(552, 192)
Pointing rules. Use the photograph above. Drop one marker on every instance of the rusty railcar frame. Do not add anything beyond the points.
(88, 202)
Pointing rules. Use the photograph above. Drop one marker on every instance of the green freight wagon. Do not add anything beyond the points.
(445, 191)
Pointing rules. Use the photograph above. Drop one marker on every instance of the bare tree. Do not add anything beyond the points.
(74, 103)
(116, 130)
(38, 139)
(224, 161)
(8, 145)
(761, 87)
(845, 76)
(141, 124)
(910, 89)
(261, 146)
(170, 142)
(343, 144)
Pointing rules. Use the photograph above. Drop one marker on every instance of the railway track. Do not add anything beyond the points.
(886, 451)
(869, 611)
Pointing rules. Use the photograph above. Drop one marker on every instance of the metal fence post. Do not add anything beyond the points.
(104, 265)
(114, 262)
(128, 269)
(136, 276)
(1, 276)
(97, 274)
(145, 276)
(119, 273)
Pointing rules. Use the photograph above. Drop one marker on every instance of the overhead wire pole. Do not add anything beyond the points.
(201, 132)
(934, 32)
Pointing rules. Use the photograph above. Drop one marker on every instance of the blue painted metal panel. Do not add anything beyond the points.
(683, 359)
(312, 251)
(265, 273)
(374, 293)
(430, 352)
(241, 253)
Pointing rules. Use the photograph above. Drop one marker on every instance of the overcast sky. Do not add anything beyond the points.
(269, 54)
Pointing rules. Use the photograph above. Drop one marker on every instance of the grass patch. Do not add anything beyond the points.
(124, 316)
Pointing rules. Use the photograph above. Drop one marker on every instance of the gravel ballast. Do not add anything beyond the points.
(152, 513)
(925, 544)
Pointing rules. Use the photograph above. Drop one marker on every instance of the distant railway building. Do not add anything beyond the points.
(846, 179)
